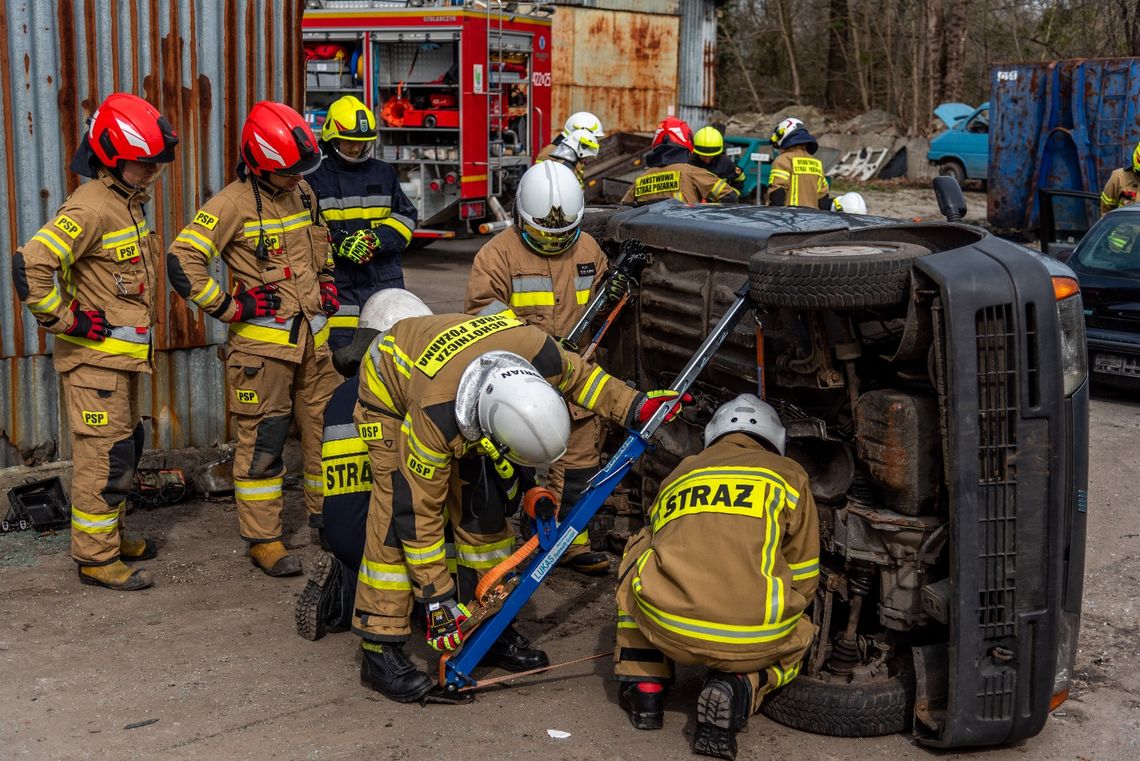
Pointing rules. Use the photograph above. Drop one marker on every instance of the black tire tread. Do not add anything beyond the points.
(310, 623)
(843, 710)
(781, 279)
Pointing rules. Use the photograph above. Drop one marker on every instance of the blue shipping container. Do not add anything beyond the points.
(1059, 124)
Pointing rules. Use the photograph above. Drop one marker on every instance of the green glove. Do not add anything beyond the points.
(359, 247)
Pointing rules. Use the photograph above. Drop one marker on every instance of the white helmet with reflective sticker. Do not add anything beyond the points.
(503, 397)
(849, 203)
(747, 414)
(549, 206)
(388, 306)
(583, 120)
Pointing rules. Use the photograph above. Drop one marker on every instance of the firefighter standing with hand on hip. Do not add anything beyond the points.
(544, 270)
(89, 277)
(265, 227)
(370, 218)
(720, 578)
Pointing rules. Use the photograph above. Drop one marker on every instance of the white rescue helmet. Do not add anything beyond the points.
(501, 396)
(549, 206)
(388, 306)
(583, 142)
(583, 120)
(747, 414)
(849, 203)
(784, 130)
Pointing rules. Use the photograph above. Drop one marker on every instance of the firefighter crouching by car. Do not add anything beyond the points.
(670, 175)
(265, 227)
(433, 390)
(1122, 186)
(89, 277)
(797, 177)
(720, 578)
(708, 153)
(368, 215)
(544, 270)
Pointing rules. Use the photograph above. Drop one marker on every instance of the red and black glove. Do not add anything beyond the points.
(443, 622)
(653, 400)
(261, 301)
(329, 301)
(89, 323)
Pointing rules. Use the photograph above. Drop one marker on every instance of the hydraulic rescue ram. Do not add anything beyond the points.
(554, 538)
(631, 260)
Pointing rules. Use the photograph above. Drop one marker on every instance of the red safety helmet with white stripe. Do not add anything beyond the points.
(675, 131)
(276, 139)
(127, 128)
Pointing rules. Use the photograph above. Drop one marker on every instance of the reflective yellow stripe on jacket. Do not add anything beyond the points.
(124, 342)
(532, 291)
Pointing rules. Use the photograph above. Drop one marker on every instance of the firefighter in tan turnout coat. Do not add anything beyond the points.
(742, 616)
(434, 389)
(264, 226)
(670, 175)
(544, 270)
(89, 277)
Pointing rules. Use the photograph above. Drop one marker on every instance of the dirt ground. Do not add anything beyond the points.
(207, 664)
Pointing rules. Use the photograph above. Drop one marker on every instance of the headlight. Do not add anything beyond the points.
(1071, 319)
(1066, 658)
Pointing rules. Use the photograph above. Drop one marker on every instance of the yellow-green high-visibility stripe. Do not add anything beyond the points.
(804, 570)
(625, 621)
(94, 523)
(314, 483)
(59, 247)
(712, 631)
(399, 357)
(125, 235)
(424, 452)
(258, 490)
(594, 384)
(197, 240)
(481, 556)
(48, 303)
(401, 224)
(532, 291)
(383, 575)
(208, 293)
(433, 553)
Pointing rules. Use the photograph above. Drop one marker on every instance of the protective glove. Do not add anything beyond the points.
(259, 301)
(89, 323)
(618, 286)
(443, 620)
(654, 399)
(359, 247)
(329, 301)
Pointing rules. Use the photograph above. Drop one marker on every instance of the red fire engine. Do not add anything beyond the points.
(461, 94)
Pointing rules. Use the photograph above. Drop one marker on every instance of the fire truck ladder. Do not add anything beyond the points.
(495, 144)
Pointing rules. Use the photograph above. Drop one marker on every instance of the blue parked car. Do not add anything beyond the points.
(963, 150)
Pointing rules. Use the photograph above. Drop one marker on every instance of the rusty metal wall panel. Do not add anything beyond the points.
(621, 66)
(203, 64)
(696, 77)
(659, 7)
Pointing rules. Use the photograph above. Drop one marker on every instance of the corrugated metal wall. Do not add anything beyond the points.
(203, 63)
(619, 65)
(696, 80)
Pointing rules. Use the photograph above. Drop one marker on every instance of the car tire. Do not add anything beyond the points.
(595, 219)
(840, 275)
(841, 709)
(952, 168)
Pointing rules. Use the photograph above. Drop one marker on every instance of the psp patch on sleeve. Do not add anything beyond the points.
(206, 220)
(68, 225)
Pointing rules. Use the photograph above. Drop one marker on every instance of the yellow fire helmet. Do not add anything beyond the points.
(708, 142)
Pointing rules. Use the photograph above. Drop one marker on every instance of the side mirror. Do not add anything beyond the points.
(951, 202)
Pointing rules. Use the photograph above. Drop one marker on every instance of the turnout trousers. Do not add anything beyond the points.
(266, 396)
(384, 592)
(568, 476)
(646, 651)
(106, 445)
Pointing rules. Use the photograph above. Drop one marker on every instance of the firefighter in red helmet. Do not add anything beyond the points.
(88, 277)
(266, 229)
(670, 175)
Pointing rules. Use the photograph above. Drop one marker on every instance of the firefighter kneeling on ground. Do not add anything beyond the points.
(101, 312)
(545, 270)
(265, 227)
(1122, 186)
(708, 153)
(434, 390)
(797, 178)
(670, 175)
(720, 578)
(369, 217)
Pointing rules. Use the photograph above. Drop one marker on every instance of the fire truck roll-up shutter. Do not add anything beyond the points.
(1008, 498)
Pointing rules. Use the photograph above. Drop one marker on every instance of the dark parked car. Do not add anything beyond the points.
(932, 380)
(1107, 263)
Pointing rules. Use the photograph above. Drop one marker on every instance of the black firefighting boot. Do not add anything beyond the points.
(137, 549)
(723, 708)
(512, 652)
(274, 559)
(645, 703)
(117, 575)
(385, 669)
(325, 604)
(581, 559)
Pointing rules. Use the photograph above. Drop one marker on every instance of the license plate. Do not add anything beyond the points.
(1115, 364)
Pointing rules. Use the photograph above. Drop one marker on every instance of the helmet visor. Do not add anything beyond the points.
(549, 242)
(354, 150)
